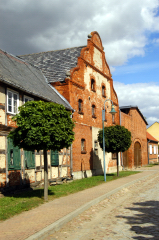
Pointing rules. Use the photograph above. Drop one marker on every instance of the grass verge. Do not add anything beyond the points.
(152, 164)
(24, 201)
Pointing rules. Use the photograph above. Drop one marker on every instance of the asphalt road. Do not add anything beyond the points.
(132, 213)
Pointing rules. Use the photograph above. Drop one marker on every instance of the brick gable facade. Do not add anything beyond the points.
(91, 69)
(133, 120)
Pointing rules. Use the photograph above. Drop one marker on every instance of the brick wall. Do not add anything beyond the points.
(91, 65)
(135, 123)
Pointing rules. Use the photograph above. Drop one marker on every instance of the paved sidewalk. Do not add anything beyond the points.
(39, 222)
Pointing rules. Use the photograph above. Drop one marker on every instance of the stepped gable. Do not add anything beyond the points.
(54, 64)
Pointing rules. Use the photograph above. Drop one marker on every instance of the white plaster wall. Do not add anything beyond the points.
(2, 161)
(2, 143)
(2, 178)
(98, 164)
(38, 176)
(2, 116)
(54, 172)
(37, 160)
(97, 58)
(99, 80)
(30, 173)
(2, 95)
(83, 174)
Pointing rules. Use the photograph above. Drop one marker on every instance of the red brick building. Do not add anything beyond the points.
(134, 121)
(83, 77)
(152, 144)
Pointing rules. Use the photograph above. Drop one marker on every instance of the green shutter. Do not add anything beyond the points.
(54, 158)
(14, 158)
(29, 157)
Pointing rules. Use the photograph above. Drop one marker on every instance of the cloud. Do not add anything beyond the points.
(143, 95)
(29, 26)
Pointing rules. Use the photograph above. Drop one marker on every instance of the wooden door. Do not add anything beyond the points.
(137, 154)
(125, 159)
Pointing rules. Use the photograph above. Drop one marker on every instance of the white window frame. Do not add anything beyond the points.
(29, 98)
(154, 149)
(12, 101)
(150, 149)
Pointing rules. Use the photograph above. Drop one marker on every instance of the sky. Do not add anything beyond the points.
(129, 30)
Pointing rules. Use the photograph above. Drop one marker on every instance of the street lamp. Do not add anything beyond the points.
(113, 112)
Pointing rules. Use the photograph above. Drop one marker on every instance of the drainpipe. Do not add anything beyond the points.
(71, 158)
(148, 149)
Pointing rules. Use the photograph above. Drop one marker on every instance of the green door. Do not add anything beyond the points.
(14, 159)
(29, 158)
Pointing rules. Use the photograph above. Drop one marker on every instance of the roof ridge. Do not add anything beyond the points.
(51, 51)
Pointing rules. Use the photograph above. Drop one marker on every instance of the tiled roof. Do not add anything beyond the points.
(150, 137)
(23, 76)
(54, 64)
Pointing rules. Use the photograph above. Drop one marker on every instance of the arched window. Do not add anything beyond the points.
(83, 145)
(93, 85)
(80, 106)
(103, 91)
(93, 111)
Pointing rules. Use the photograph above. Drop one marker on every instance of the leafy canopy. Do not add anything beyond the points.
(43, 125)
(117, 139)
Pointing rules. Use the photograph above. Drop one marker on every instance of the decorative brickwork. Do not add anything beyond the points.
(91, 66)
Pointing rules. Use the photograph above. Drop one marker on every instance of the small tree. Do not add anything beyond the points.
(117, 139)
(43, 126)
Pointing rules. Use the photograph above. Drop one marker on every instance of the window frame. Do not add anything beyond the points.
(93, 83)
(83, 146)
(12, 101)
(150, 149)
(29, 99)
(80, 108)
(103, 91)
(93, 111)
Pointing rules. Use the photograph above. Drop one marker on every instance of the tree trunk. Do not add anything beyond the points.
(117, 166)
(45, 176)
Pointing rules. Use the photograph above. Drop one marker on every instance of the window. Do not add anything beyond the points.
(12, 101)
(103, 91)
(80, 106)
(154, 149)
(96, 147)
(27, 99)
(54, 158)
(93, 111)
(14, 159)
(93, 85)
(114, 156)
(83, 145)
(150, 149)
(113, 118)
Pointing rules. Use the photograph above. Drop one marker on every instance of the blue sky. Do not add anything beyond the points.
(140, 69)
(129, 31)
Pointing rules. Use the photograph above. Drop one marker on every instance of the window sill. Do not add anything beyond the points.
(83, 152)
(11, 114)
(94, 116)
(93, 90)
(82, 113)
(104, 96)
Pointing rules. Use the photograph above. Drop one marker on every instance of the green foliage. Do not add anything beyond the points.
(42, 125)
(117, 139)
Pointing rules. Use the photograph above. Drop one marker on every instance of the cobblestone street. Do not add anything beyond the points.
(132, 213)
